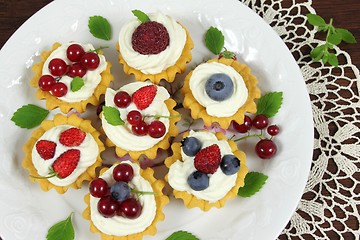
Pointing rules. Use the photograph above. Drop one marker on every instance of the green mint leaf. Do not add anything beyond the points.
(100, 27)
(182, 235)
(141, 16)
(63, 230)
(112, 116)
(29, 116)
(346, 35)
(76, 84)
(335, 38)
(333, 60)
(325, 58)
(315, 20)
(214, 40)
(254, 181)
(269, 104)
(317, 53)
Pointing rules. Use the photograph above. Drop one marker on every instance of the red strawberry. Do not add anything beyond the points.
(72, 137)
(208, 159)
(66, 163)
(144, 96)
(46, 149)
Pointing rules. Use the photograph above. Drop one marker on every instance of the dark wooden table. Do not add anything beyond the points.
(344, 12)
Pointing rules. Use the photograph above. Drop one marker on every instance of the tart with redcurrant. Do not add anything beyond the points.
(71, 76)
(154, 47)
(139, 119)
(62, 153)
(206, 170)
(125, 202)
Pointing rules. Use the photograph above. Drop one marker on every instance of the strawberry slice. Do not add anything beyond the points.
(144, 96)
(66, 163)
(72, 137)
(46, 149)
(208, 159)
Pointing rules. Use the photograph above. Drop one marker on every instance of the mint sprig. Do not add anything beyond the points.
(254, 181)
(182, 235)
(141, 16)
(76, 84)
(214, 40)
(29, 116)
(334, 36)
(62, 230)
(100, 27)
(112, 116)
(269, 104)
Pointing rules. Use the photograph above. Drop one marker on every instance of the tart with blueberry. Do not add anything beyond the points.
(62, 153)
(205, 170)
(139, 119)
(125, 202)
(154, 47)
(71, 76)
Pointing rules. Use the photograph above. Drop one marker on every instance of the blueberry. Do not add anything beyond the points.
(198, 181)
(219, 87)
(120, 191)
(191, 146)
(230, 164)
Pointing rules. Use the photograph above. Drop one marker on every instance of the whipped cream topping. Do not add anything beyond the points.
(120, 226)
(219, 183)
(224, 108)
(89, 151)
(122, 136)
(153, 64)
(92, 78)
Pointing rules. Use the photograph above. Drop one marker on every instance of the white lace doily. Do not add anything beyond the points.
(331, 197)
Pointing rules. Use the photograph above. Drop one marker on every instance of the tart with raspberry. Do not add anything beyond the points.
(220, 90)
(206, 170)
(154, 47)
(71, 76)
(125, 202)
(139, 119)
(62, 153)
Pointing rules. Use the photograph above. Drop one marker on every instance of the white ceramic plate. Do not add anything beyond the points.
(27, 212)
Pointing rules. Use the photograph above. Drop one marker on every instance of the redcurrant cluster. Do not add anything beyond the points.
(81, 62)
(265, 148)
(118, 199)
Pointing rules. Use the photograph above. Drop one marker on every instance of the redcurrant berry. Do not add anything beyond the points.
(245, 127)
(122, 99)
(130, 208)
(123, 172)
(75, 52)
(98, 188)
(273, 130)
(59, 89)
(76, 70)
(134, 117)
(260, 121)
(107, 206)
(90, 60)
(265, 148)
(157, 129)
(140, 129)
(58, 67)
(46, 82)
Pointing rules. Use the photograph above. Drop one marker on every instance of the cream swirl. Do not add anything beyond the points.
(153, 64)
(225, 108)
(122, 136)
(219, 183)
(120, 226)
(92, 78)
(89, 151)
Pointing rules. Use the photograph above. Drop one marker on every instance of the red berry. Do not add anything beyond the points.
(157, 129)
(245, 127)
(150, 38)
(98, 188)
(75, 52)
(123, 172)
(76, 70)
(265, 148)
(144, 96)
(107, 206)
(58, 67)
(130, 208)
(208, 159)
(72, 137)
(46, 82)
(46, 149)
(66, 163)
(140, 129)
(90, 61)
(273, 130)
(134, 117)
(260, 121)
(122, 99)
(59, 89)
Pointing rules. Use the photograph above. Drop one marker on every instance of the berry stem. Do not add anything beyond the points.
(260, 136)
(161, 116)
(143, 192)
(98, 49)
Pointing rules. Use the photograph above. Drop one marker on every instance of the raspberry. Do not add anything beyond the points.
(46, 149)
(144, 96)
(72, 137)
(66, 163)
(208, 159)
(150, 38)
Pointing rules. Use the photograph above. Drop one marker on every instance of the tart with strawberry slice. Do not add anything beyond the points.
(205, 170)
(154, 47)
(125, 202)
(63, 153)
(71, 76)
(139, 119)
